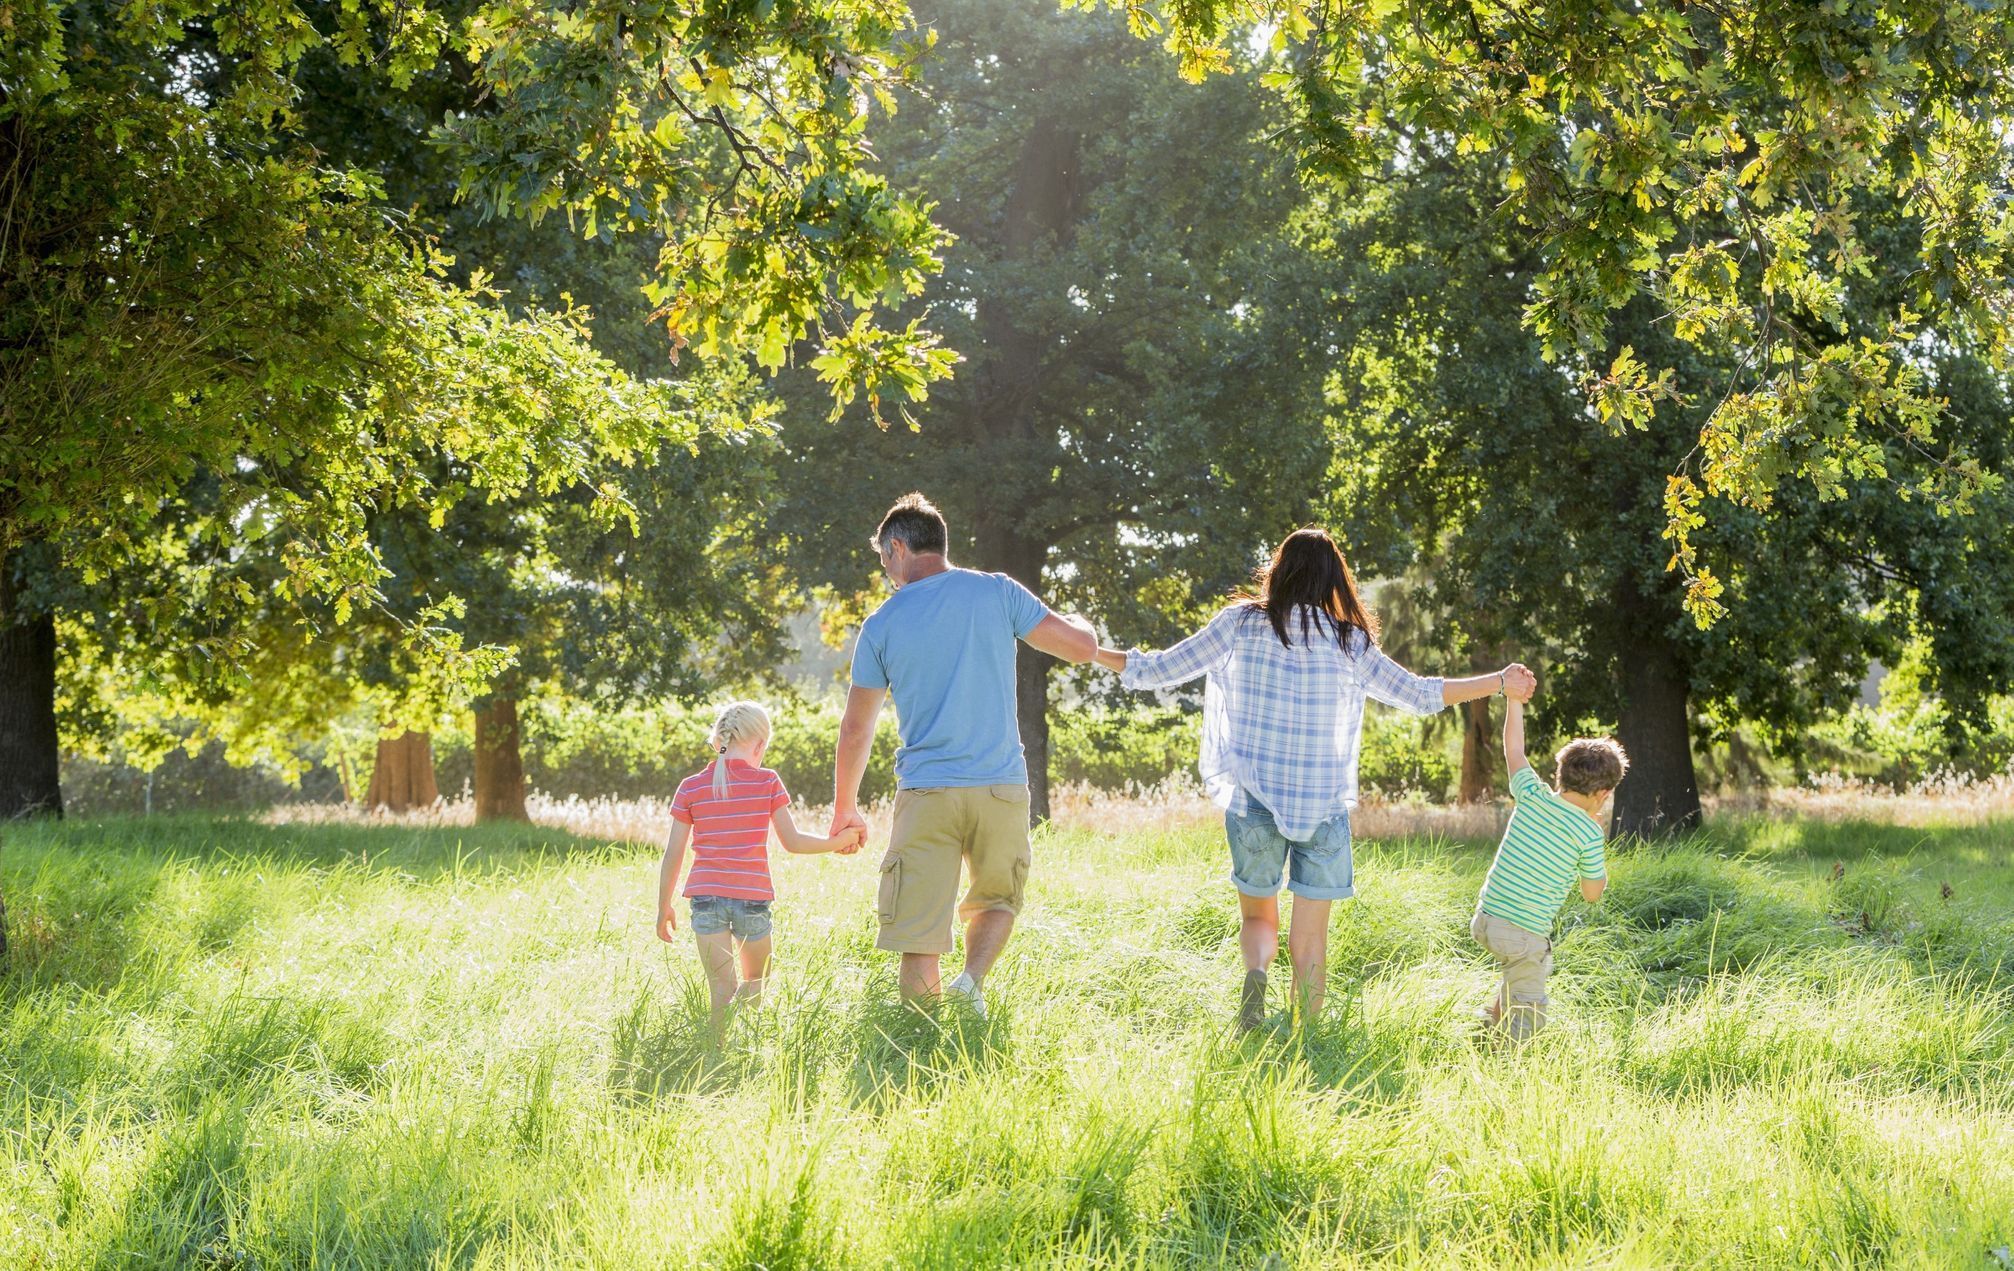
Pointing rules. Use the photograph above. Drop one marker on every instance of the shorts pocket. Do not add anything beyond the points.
(890, 891)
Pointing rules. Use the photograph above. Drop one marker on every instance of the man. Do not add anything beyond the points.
(943, 645)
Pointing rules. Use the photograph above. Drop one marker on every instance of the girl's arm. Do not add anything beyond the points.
(796, 841)
(667, 879)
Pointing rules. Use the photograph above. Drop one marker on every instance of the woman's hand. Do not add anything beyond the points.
(667, 922)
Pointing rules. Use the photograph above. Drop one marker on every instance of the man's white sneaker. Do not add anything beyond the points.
(964, 986)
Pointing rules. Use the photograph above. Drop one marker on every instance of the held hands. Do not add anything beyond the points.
(848, 826)
(1518, 682)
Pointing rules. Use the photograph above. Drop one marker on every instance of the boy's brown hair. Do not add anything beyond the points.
(1590, 765)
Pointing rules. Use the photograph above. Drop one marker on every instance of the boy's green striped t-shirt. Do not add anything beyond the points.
(1548, 846)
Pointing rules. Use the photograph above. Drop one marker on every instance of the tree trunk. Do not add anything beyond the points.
(1660, 796)
(499, 763)
(1031, 706)
(1043, 205)
(1478, 752)
(403, 776)
(30, 772)
(1001, 547)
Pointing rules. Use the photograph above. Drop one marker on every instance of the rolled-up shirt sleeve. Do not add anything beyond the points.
(1388, 682)
(1201, 653)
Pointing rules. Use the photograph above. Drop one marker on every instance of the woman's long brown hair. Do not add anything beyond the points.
(1308, 575)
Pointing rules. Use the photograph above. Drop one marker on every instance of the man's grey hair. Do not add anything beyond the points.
(913, 520)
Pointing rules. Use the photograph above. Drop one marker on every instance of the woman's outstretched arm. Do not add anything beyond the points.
(1200, 654)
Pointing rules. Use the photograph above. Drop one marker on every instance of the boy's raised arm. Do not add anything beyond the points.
(1514, 758)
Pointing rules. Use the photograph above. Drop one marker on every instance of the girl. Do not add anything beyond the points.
(726, 810)
(1290, 667)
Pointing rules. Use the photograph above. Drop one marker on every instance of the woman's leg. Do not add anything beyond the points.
(1259, 941)
(1308, 946)
(754, 969)
(716, 957)
(1258, 930)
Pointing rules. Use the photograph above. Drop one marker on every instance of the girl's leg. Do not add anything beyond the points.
(1308, 946)
(754, 969)
(716, 956)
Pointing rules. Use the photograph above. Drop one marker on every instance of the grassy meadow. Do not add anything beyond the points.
(229, 1044)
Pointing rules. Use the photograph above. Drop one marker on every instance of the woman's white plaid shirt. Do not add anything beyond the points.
(1281, 724)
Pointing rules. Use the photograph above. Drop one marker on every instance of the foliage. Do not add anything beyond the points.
(1911, 735)
(1397, 759)
(225, 358)
(1136, 413)
(1462, 452)
(1815, 196)
(235, 1044)
(573, 747)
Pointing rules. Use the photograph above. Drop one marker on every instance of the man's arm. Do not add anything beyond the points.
(1514, 736)
(849, 765)
(1060, 637)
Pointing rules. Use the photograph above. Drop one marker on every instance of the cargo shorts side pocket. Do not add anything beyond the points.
(890, 892)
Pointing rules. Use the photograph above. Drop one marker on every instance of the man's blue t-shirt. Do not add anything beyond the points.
(943, 646)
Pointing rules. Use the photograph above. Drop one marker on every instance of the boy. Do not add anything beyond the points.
(1554, 838)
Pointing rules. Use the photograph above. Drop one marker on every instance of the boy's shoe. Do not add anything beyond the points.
(964, 986)
(1252, 1002)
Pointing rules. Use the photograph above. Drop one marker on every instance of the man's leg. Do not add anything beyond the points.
(985, 936)
(920, 976)
(919, 887)
(1308, 946)
(996, 863)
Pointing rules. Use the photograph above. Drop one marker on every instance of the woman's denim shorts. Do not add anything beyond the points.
(1318, 869)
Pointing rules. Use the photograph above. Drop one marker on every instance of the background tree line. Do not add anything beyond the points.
(307, 420)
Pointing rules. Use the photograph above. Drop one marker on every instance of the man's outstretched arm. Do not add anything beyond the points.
(856, 743)
(1072, 640)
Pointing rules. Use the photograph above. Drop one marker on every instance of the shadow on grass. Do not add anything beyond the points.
(899, 1050)
(883, 1047)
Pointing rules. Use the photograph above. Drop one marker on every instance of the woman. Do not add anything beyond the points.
(1290, 667)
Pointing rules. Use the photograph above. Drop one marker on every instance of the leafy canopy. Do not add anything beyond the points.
(1734, 162)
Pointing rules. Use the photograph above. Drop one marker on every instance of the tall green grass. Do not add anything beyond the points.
(227, 1045)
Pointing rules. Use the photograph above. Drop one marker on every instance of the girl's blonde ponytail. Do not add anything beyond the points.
(737, 722)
